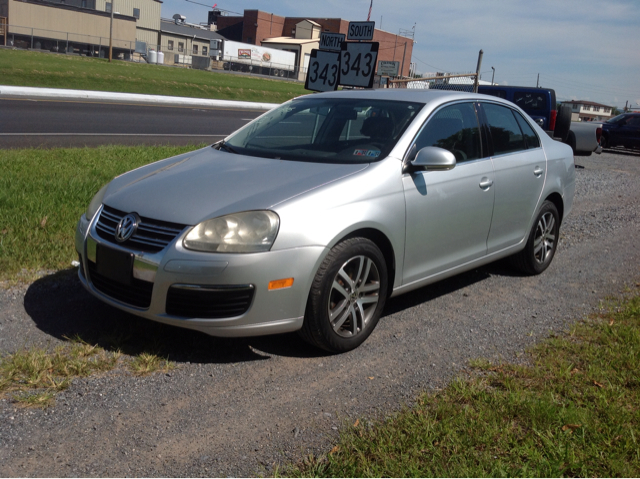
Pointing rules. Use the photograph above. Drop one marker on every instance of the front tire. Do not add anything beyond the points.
(347, 296)
(542, 243)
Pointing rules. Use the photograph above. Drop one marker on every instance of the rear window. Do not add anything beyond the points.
(530, 101)
(499, 93)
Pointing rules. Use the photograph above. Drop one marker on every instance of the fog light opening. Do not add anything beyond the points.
(280, 284)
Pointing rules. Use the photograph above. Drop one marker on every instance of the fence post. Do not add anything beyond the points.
(476, 82)
(66, 49)
(32, 38)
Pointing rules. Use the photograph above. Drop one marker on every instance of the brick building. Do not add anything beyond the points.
(256, 26)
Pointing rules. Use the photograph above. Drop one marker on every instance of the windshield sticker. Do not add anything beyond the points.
(371, 153)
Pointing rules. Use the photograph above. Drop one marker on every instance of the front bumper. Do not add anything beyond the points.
(197, 274)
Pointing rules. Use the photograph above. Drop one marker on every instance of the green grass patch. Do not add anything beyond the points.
(574, 412)
(43, 193)
(37, 69)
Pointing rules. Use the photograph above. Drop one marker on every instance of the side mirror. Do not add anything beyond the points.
(433, 158)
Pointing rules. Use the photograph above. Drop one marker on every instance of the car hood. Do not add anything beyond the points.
(207, 183)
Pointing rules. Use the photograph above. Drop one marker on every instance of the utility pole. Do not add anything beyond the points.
(538, 81)
(111, 34)
(493, 74)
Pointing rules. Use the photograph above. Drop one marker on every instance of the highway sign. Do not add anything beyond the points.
(358, 63)
(389, 69)
(331, 41)
(361, 30)
(324, 71)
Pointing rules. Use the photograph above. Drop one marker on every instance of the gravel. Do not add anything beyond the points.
(243, 407)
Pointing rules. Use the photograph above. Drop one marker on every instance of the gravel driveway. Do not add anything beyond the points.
(240, 407)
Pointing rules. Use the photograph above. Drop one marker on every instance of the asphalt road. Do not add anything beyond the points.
(241, 407)
(47, 123)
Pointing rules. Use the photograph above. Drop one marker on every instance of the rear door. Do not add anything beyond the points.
(520, 170)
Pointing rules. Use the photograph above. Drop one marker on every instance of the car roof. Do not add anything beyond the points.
(402, 94)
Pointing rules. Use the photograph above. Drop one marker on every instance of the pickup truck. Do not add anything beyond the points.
(540, 104)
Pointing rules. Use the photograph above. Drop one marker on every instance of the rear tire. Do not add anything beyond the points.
(542, 243)
(347, 296)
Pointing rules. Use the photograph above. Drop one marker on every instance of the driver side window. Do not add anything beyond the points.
(454, 128)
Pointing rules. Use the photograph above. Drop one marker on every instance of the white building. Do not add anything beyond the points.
(588, 111)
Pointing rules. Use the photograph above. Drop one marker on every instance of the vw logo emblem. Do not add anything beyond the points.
(127, 227)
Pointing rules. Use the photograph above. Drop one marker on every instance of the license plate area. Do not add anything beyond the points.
(114, 265)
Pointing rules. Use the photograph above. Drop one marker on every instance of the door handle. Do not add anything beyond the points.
(538, 171)
(485, 183)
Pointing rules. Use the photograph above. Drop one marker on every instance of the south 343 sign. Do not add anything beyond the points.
(358, 63)
(353, 66)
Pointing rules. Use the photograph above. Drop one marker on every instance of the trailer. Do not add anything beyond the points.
(256, 59)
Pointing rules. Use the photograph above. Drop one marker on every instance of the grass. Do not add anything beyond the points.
(32, 377)
(43, 193)
(37, 69)
(574, 412)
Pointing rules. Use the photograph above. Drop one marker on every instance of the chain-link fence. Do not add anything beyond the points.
(29, 38)
(464, 82)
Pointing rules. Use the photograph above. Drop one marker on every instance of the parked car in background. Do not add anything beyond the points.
(540, 104)
(622, 130)
(312, 215)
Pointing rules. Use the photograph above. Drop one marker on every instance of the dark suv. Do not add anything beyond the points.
(621, 130)
(539, 104)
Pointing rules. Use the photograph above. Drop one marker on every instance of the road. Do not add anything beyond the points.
(46, 123)
(240, 407)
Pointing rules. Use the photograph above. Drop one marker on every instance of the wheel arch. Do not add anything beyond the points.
(383, 243)
(558, 202)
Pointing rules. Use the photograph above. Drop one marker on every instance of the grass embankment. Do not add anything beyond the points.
(51, 70)
(575, 412)
(43, 193)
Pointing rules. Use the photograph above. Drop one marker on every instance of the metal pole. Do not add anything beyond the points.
(477, 80)
(111, 34)
(538, 81)
(32, 38)
(403, 54)
(493, 74)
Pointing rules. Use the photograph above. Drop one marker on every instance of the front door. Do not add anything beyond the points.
(448, 213)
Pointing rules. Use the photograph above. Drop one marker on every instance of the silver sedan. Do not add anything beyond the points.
(312, 215)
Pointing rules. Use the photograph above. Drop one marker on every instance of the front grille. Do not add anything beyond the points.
(137, 294)
(151, 235)
(209, 301)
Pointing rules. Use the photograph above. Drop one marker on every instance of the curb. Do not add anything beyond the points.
(64, 94)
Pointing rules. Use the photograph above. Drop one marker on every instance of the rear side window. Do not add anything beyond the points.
(530, 137)
(454, 128)
(529, 101)
(505, 132)
(499, 93)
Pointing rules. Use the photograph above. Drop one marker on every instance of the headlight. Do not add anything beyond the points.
(247, 232)
(95, 203)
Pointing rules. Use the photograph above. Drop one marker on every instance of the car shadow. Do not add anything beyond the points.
(61, 307)
(624, 152)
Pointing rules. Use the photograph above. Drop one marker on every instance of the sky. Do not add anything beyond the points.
(583, 49)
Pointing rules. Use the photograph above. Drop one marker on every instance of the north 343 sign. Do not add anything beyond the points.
(324, 71)
(358, 63)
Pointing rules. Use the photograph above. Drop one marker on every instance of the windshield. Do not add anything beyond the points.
(332, 130)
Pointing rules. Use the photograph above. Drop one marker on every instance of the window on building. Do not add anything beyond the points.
(204, 51)
(576, 106)
(607, 110)
(596, 108)
(180, 46)
(170, 45)
(136, 13)
(84, 4)
(195, 49)
(107, 7)
(587, 107)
